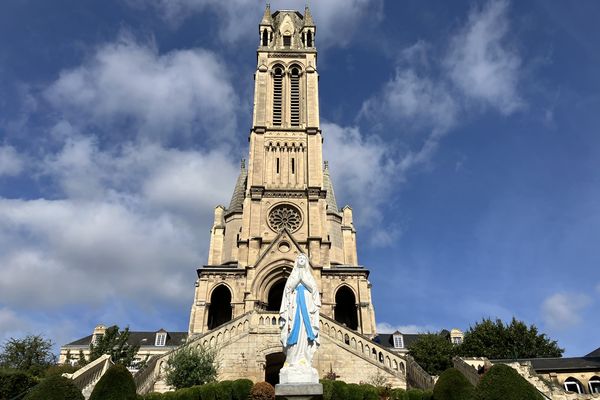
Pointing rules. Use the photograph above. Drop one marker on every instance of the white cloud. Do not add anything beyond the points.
(362, 169)
(384, 327)
(336, 20)
(480, 62)
(11, 162)
(125, 226)
(563, 310)
(176, 93)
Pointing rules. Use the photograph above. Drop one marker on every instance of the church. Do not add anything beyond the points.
(283, 204)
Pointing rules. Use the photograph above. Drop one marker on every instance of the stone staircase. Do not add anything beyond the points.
(87, 376)
(262, 329)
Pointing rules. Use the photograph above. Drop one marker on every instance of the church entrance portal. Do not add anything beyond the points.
(345, 308)
(273, 364)
(275, 295)
(219, 311)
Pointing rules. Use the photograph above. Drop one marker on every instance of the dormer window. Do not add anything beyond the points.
(287, 40)
(161, 338)
(398, 341)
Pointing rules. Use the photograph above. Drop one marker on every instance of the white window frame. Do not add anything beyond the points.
(595, 380)
(398, 341)
(161, 339)
(573, 382)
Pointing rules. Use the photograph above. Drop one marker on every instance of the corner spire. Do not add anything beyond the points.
(267, 19)
(308, 19)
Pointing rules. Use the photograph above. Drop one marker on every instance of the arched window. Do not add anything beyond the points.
(345, 308)
(265, 38)
(277, 95)
(573, 385)
(594, 384)
(275, 295)
(295, 97)
(219, 311)
(309, 39)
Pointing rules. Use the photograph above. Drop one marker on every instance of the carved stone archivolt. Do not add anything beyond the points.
(285, 216)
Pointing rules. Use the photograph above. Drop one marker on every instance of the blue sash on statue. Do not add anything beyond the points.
(300, 308)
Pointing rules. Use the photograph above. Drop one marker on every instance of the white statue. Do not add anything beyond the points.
(299, 320)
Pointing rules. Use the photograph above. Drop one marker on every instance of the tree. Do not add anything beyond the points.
(32, 354)
(114, 343)
(495, 340)
(191, 366)
(433, 352)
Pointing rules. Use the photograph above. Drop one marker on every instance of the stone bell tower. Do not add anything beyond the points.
(283, 202)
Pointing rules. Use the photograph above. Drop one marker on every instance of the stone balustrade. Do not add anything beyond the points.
(85, 378)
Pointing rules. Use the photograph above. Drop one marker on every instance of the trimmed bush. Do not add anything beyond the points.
(398, 394)
(225, 390)
(452, 385)
(262, 391)
(153, 396)
(116, 384)
(340, 390)
(418, 394)
(355, 392)
(369, 392)
(13, 383)
(55, 388)
(241, 388)
(503, 382)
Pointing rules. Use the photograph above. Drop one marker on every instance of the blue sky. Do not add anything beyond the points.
(465, 135)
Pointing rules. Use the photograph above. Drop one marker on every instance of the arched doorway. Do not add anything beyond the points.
(275, 295)
(273, 364)
(345, 308)
(219, 310)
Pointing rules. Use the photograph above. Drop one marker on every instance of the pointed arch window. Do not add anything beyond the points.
(295, 97)
(309, 39)
(265, 37)
(277, 95)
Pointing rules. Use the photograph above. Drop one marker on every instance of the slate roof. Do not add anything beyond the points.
(559, 364)
(331, 203)
(141, 338)
(387, 339)
(239, 193)
(595, 353)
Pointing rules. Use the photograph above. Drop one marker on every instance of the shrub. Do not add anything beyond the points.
(240, 389)
(55, 388)
(503, 382)
(398, 394)
(153, 396)
(340, 390)
(13, 383)
(418, 394)
(209, 391)
(116, 384)
(452, 385)
(225, 390)
(369, 392)
(327, 389)
(191, 366)
(355, 392)
(262, 391)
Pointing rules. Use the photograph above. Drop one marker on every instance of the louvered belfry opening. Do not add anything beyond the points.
(295, 97)
(277, 96)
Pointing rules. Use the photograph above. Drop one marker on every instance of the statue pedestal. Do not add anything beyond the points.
(299, 391)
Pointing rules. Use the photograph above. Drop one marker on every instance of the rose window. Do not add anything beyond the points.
(285, 216)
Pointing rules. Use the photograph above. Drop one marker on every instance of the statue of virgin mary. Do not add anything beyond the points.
(299, 320)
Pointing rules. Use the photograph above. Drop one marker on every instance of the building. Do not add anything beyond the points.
(283, 204)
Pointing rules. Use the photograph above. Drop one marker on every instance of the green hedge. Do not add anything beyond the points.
(116, 384)
(55, 388)
(13, 383)
(503, 382)
(452, 385)
(225, 390)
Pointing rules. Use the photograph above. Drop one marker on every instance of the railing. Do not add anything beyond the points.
(145, 377)
(90, 374)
